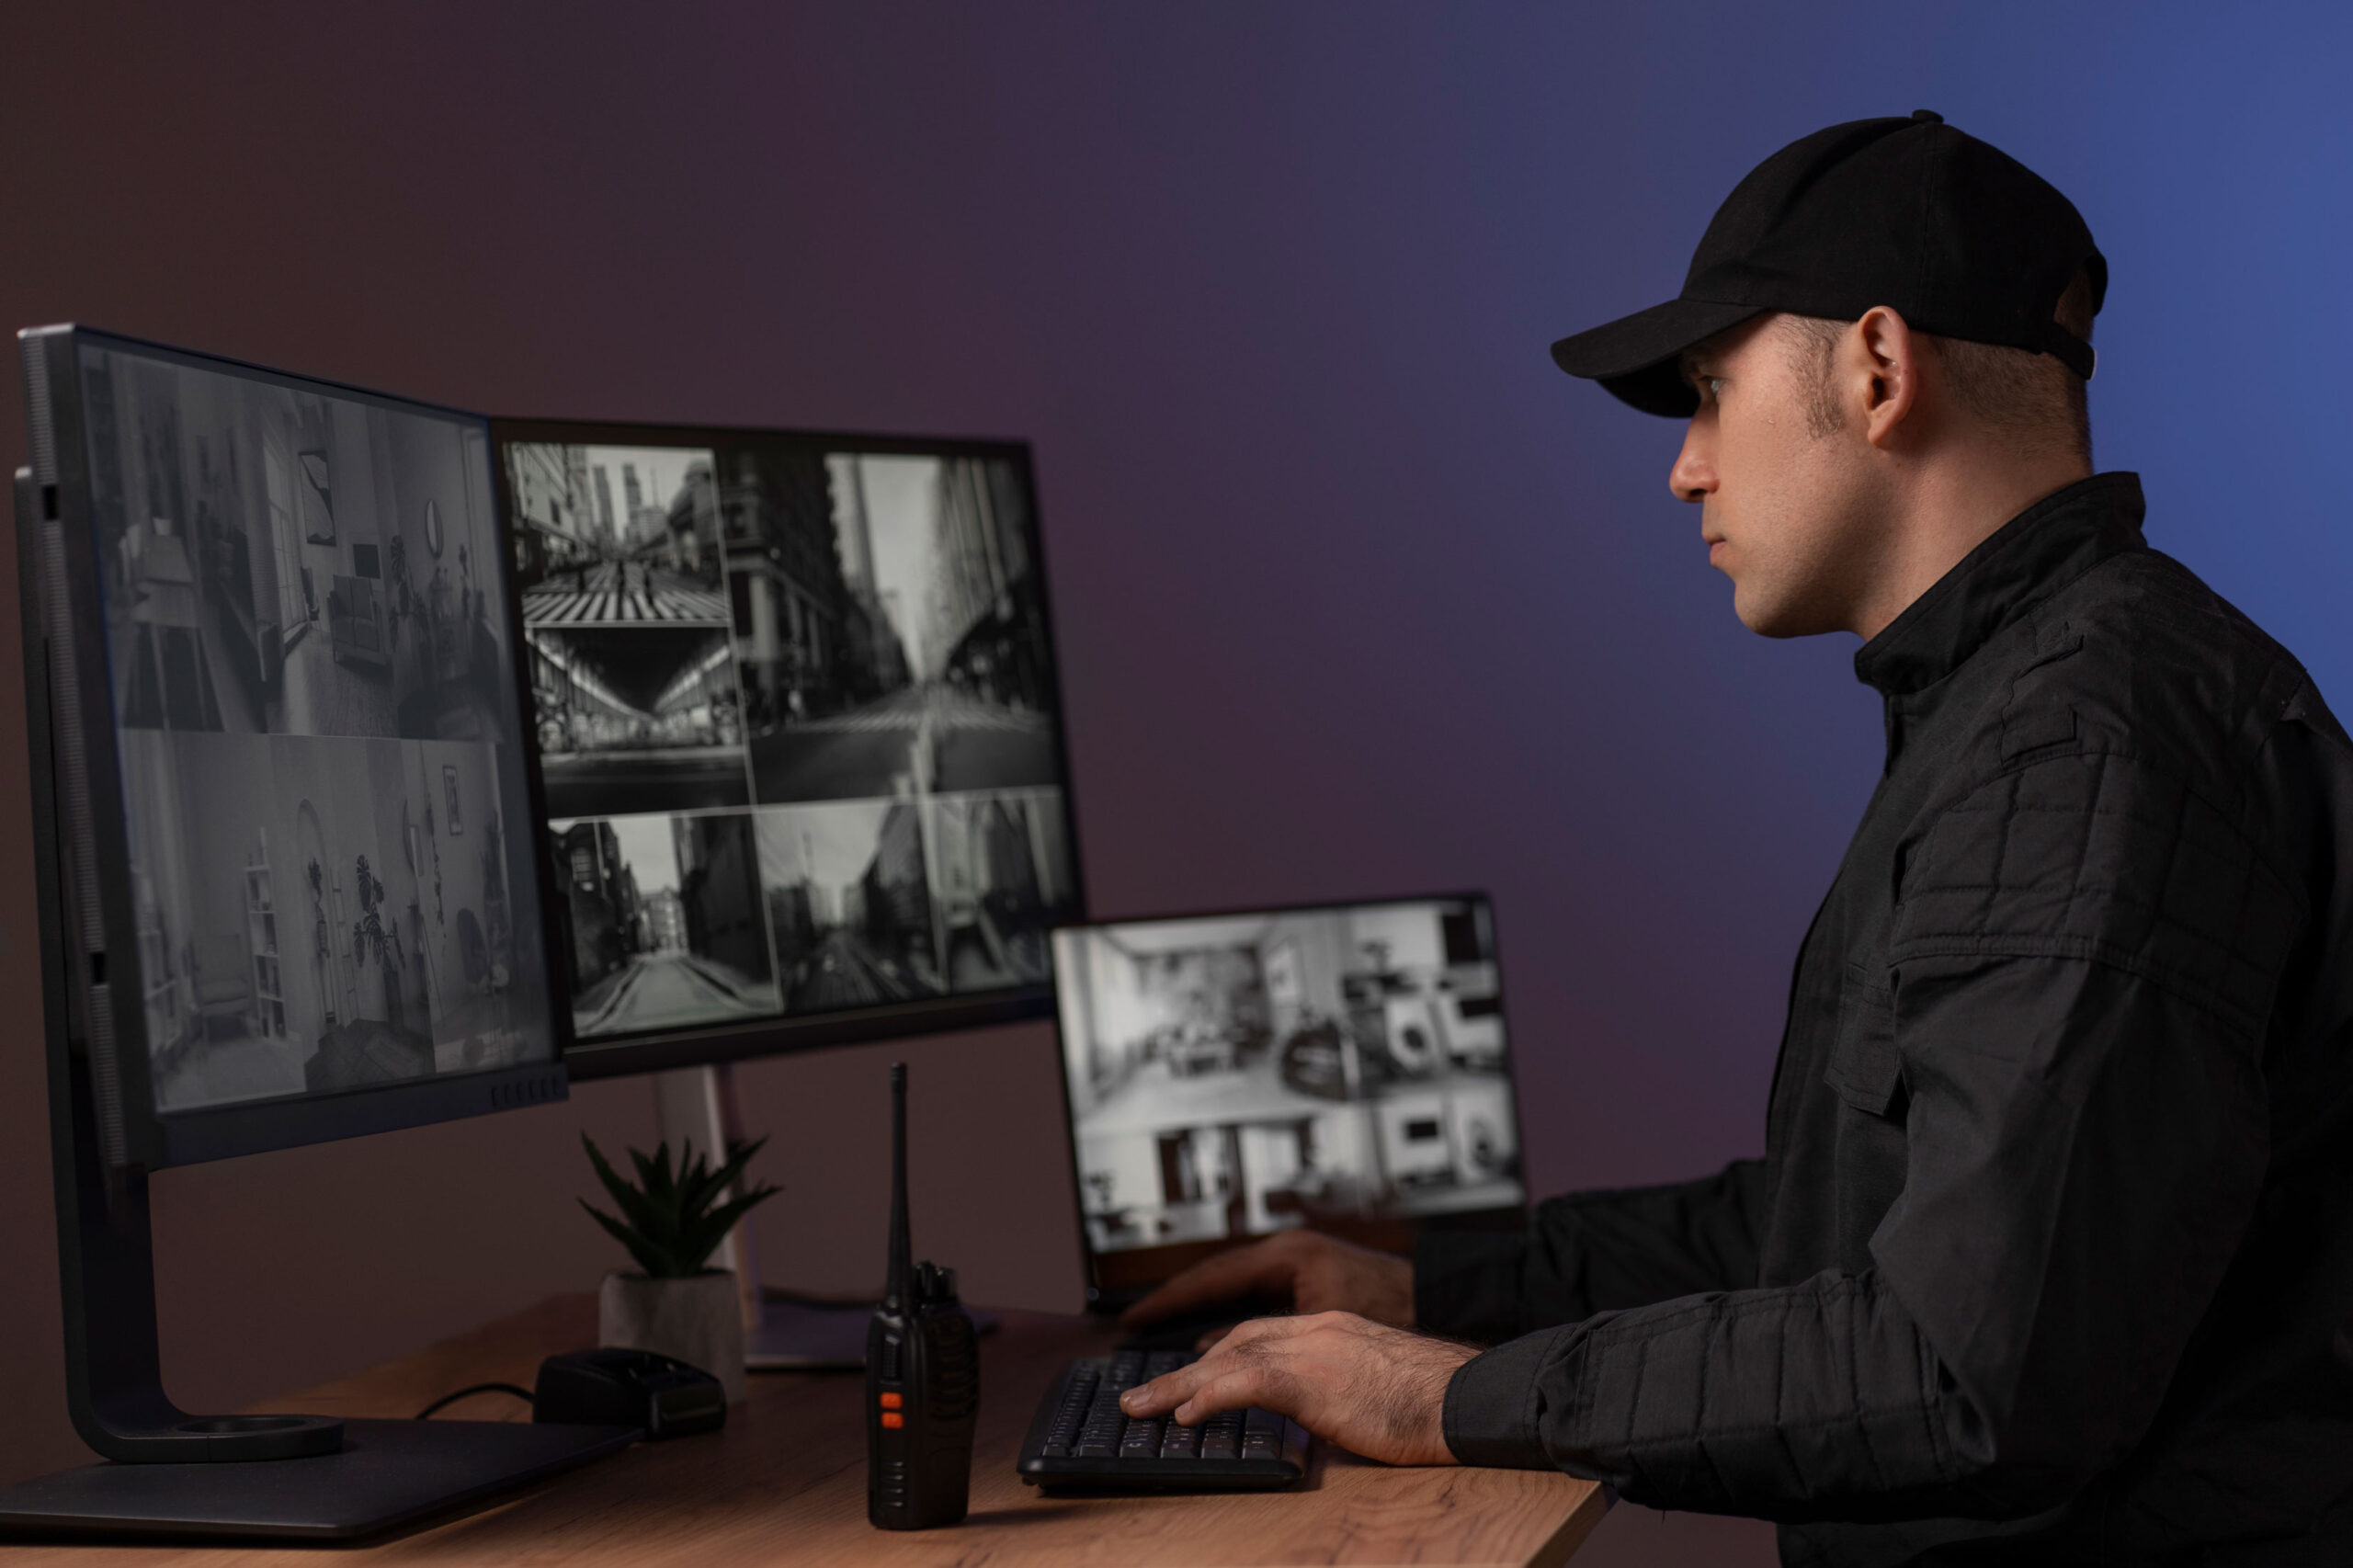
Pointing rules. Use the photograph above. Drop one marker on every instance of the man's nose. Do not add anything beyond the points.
(1692, 476)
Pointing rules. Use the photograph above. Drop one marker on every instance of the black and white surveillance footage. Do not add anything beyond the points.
(853, 646)
(318, 735)
(1238, 1075)
(666, 928)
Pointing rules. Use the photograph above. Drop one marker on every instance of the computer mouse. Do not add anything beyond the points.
(612, 1386)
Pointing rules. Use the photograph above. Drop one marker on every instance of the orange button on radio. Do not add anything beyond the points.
(892, 1419)
(890, 1401)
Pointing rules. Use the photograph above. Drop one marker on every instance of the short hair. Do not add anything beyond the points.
(2028, 396)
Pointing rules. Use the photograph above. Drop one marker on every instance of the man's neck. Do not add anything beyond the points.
(1949, 508)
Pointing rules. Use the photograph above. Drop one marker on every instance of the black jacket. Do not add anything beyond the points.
(2051, 1253)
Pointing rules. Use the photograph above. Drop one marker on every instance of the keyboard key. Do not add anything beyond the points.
(1181, 1443)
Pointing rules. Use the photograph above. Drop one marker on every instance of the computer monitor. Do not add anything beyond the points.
(1230, 1076)
(798, 734)
(283, 826)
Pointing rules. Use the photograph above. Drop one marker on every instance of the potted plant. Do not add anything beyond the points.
(671, 1221)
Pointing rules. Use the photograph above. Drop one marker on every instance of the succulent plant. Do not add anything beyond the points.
(673, 1221)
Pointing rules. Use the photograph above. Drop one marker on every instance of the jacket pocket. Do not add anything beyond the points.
(1864, 1069)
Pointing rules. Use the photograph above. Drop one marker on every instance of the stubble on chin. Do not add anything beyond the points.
(1790, 605)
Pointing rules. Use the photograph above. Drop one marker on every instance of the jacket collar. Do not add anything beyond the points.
(2028, 559)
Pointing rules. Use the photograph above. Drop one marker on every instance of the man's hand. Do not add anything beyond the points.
(1319, 1275)
(1374, 1390)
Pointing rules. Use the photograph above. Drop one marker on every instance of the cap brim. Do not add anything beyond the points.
(1635, 358)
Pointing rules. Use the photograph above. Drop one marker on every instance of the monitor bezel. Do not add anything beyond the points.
(723, 1043)
(150, 1138)
(1384, 1234)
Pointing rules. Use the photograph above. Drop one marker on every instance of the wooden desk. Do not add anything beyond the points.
(786, 1483)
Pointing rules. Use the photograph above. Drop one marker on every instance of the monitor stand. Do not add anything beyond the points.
(696, 1109)
(234, 1477)
(170, 1474)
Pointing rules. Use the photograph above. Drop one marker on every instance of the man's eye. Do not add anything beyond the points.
(1715, 385)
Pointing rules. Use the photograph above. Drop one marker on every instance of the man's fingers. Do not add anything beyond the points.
(1165, 1392)
(1234, 1390)
(1250, 1340)
(1378, 1390)
(1225, 1276)
(1245, 1346)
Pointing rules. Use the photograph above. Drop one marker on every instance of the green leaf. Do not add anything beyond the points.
(727, 1174)
(651, 1177)
(639, 1210)
(703, 1237)
(670, 1224)
(652, 1261)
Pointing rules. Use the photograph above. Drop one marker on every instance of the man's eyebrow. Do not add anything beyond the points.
(1692, 361)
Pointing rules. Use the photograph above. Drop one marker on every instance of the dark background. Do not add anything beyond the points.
(1356, 594)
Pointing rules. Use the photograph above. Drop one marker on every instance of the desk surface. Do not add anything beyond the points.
(786, 1481)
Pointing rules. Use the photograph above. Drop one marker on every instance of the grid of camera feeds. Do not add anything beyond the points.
(797, 727)
(1235, 1076)
(318, 734)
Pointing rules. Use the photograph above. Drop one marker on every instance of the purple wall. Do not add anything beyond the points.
(1357, 594)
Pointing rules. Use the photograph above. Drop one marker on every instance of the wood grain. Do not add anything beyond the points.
(786, 1481)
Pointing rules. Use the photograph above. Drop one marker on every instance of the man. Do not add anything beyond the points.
(2050, 1253)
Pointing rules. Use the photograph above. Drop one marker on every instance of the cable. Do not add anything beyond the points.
(448, 1398)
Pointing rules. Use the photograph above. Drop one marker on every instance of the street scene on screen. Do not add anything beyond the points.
(666, 926)
(796, 722)
(636, 719)
(614, 534)
(889, 624)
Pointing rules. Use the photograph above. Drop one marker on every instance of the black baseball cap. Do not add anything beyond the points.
(1958, 236)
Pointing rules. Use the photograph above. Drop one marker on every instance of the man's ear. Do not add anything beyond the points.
(1884, 371)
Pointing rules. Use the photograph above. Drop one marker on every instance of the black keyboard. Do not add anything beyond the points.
(1081, 1438)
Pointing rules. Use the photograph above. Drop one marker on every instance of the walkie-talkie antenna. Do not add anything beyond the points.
(895, 1288)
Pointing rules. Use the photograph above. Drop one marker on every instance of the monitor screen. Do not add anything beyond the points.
(317, 730)
(798, 735)
(1233, 1075)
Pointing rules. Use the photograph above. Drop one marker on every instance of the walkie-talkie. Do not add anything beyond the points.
(923, 1374)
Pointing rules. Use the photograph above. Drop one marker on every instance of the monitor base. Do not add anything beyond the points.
(389, 1473)
(802, 1333)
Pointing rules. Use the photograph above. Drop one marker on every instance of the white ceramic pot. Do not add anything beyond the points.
(696, 1320)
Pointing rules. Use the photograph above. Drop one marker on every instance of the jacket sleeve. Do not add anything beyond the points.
(1589, 1251)
(2080, 973)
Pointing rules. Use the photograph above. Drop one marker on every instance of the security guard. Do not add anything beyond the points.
(2049, 1257)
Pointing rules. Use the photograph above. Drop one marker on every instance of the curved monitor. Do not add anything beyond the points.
(282, 702)
(797, 735)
